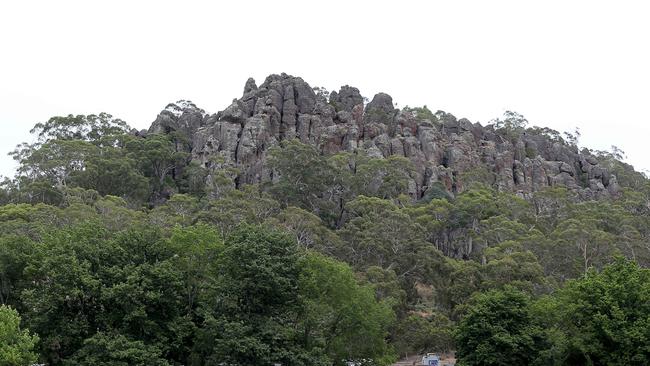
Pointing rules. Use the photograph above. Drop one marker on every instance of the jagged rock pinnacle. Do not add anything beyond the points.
(443, 149)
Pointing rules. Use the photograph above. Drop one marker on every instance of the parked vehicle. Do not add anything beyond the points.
(431, 359)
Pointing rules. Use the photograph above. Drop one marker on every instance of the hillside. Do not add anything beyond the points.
(305, 227)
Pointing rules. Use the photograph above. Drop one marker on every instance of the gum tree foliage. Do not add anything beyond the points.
(324, 185)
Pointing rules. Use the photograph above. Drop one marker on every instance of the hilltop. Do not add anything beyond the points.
(306, 227)
(447, 153)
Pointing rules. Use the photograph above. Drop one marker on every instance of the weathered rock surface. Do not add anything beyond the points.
(443, 149)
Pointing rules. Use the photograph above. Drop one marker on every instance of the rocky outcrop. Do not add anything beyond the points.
(182, 116)
(444, 150)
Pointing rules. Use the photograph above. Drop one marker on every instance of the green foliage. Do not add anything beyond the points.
(600, 319)
(304, 174)
(308, 229)
(325, 185)
(606, 316)
(91, 128)
(511, 126)
(424, 113)
(246, 206)
(422, 333)
(108, 349)
(499, 329)
(340, 316)
(253, 312)
(16, 344)
(117, 249)
(157, 156)
(477, 177)
(379, 234)
(96, 152)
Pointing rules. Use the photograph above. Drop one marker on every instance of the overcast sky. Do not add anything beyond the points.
(562, 64)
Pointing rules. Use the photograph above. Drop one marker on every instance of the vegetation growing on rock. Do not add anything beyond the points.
(306, 227)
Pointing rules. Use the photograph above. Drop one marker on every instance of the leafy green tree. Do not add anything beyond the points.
(309, 231)
(387, 286)
(193, 180)
(115, 214)
(462, 279)
(606, 316)
(179, 209)
(379, 234)
(111, 172)
(434, 217)
(157, 157)
(469, 209)
(498, 229)
(14, 252)
(16, 344)
(246, 206)
(511, 125)
(198, 249)
(303, 174)
(54, 164)
(91, 128)
(583, 242)
(423, 333)
(5, 190)
(552, 206)
(64, 298)
(324, 185)
(499, 329)
(78, 280)
(114, 349)
(248, 317)
(78, 151)
(341, 317)
(509, 264)
(384, 178)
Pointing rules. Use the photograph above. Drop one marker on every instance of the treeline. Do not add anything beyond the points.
(114, 250)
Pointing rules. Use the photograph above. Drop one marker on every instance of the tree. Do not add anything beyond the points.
(498, 329)
(114, 349)
(379, 234)
(111, 172)
(248, 205)
(248, 316)
(84, 280)
(16, 344)
(509, 264)
(341, 317)
(197, 250)
(385, 178)
(309, 231)
(469, 209)
(606, 316)
(511, 125)
(91, 128)
(585, 242)
(303, 174)
(53, 163)
(78, 151)
(421, 333)
(157, 157)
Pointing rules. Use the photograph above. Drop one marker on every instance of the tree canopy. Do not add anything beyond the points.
(118, 248)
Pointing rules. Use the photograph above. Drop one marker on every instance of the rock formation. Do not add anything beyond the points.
(443, 149)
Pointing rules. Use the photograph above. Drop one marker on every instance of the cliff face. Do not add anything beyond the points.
(234, 142)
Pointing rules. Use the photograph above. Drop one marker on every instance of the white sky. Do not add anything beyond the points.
(562, 64)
